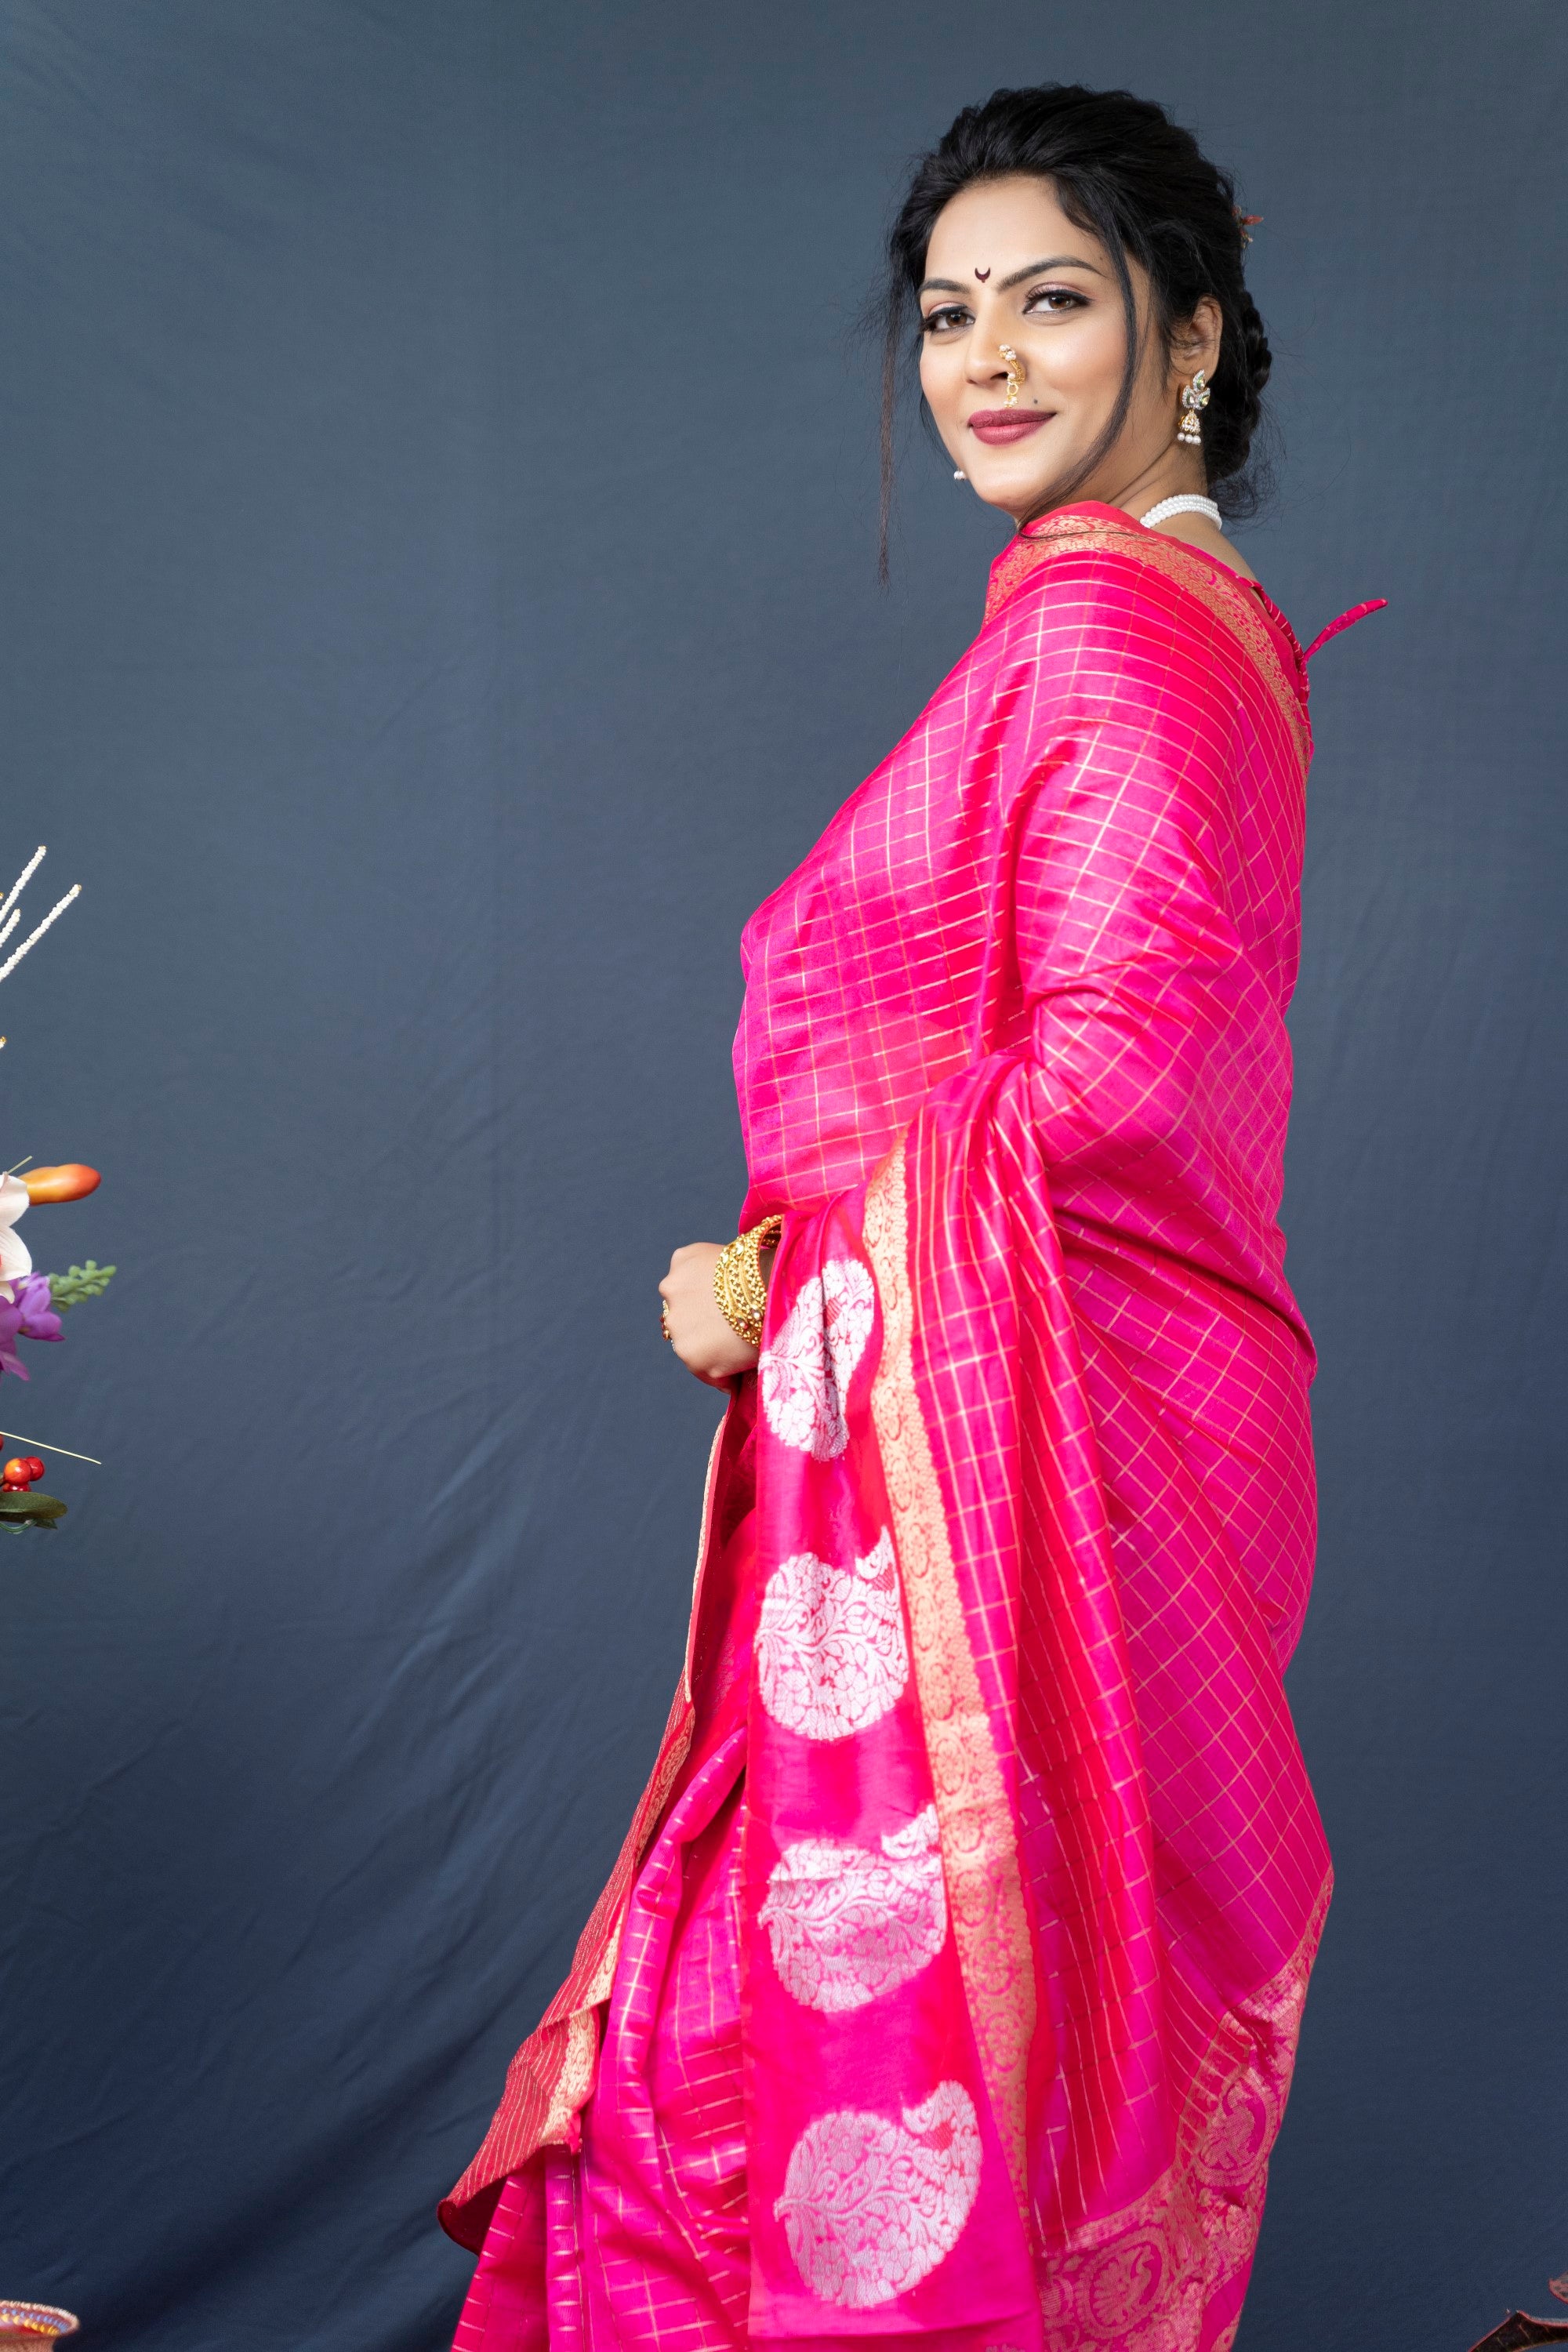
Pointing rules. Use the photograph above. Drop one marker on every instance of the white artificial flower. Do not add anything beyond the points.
(14, 1260)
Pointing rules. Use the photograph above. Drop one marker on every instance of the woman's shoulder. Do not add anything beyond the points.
(1088, 589)
(1094, 554)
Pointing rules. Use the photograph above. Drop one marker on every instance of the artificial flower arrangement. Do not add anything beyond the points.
(31, 1304)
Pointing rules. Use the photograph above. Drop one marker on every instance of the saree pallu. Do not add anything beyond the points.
(1025, 1878)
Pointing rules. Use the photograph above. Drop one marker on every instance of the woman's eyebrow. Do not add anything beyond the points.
(1004, 286)
(1055, 261)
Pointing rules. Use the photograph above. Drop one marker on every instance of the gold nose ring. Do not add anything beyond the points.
(1015, 374)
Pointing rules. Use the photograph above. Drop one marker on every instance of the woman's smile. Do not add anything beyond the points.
(998, 426)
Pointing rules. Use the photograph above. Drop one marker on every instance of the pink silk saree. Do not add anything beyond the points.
(949, 1981)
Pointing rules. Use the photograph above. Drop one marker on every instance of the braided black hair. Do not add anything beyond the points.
(1124, 172)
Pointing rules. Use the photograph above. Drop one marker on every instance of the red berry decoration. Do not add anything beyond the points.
(34, 1468)
(17, 1475)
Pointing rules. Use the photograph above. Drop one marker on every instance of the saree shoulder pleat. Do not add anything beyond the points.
(1033, 1874)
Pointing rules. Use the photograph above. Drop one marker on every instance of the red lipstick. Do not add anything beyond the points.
(998, 426)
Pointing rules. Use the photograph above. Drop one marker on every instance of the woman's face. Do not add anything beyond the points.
(1006, 266)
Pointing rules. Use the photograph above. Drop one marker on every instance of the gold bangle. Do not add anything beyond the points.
(738, 1283)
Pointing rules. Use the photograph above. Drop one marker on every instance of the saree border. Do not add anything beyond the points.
(979, 1845)
(704, 1532)
(1148, 2277)
(1229, 604)
(554, 2072)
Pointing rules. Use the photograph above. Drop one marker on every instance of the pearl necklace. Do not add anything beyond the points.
(1182, 505)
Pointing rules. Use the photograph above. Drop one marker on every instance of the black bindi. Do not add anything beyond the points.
(983, 275)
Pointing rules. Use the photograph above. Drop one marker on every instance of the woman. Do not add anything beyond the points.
(948, 1983)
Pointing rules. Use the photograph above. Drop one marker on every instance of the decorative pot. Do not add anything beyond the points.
(29, 2326)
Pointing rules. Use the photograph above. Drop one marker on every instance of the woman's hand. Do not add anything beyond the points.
(698, 1332)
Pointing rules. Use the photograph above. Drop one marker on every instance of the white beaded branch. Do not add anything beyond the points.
(11, 909)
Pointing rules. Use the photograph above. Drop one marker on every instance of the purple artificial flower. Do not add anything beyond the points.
(28, 1314)
(10, 1325)
(34, 1296)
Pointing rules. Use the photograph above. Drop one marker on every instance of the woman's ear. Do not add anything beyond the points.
(1195, 344)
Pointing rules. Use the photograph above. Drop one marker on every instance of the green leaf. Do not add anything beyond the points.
(81, 1282)
(30, 1510)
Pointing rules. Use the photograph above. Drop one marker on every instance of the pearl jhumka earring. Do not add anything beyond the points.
(1195, 396)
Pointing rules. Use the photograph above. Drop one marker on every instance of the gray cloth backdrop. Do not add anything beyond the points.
(439, 604)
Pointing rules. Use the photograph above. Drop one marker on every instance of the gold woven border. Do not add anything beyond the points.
(1145, 2277)
(655, 1797)
(979, 1850)
(578, 2065)
(1227, 599)
(709, 1491)
(554, 2071)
